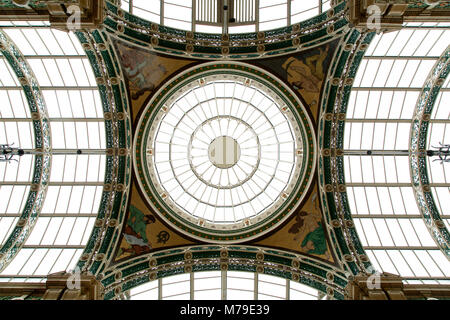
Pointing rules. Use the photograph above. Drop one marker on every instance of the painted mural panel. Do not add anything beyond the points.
(304, 232)
(304, 71)
(144, 232)
(145, 71)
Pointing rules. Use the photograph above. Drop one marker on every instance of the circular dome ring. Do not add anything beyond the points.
(288, 150)
(240, 182)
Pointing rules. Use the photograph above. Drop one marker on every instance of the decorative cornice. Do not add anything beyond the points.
(298, 186)
(388, 15)
(346, 243)
(59, 286)
(61, 14)
(388, 286)
(112, 89)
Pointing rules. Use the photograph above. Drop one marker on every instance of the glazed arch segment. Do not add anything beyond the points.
(225, 152)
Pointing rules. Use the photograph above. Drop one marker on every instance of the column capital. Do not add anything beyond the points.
(387, 286)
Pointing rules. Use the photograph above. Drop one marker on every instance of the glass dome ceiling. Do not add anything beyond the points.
(206, 15)
(76, 121)
(379, 118)
(226, 154)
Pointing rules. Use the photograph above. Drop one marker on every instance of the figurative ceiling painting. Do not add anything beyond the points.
(144, 232)
(304, 72)
(304, 232)
(145, 71)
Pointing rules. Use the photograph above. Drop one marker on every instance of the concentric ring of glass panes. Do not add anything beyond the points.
(225, 153)
(220, 161)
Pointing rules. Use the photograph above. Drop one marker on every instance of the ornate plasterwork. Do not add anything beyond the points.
(346, 242)
(105, 234)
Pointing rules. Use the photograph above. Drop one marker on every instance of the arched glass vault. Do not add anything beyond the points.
(73, 110)
(380, 187)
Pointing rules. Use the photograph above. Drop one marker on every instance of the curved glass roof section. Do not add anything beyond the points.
(223, 285)
(206, 15)
(76, 121)
(379, 186)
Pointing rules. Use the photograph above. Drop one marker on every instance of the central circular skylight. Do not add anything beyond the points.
(226, 152)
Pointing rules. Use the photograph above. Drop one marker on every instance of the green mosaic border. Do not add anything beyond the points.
(112, 210)
(291, 202)
(299, 268)
(418, 158)
(346, 242)
(42, 141)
